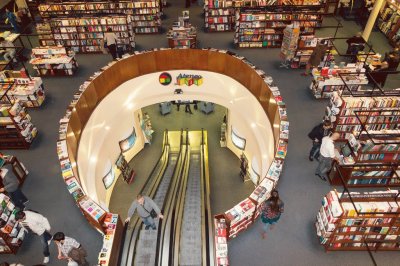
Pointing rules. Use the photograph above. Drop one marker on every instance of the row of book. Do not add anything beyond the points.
(277, 16)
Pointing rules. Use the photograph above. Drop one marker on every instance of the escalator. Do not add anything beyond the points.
(186, 233)
(139, 244)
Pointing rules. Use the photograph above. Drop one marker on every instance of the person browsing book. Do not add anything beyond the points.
(147, 209)
(70, 249)
(110, 41)
(271, 211)
(39, 225)
(317, 133)
(327, 155)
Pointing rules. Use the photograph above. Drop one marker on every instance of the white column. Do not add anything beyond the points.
(372, 18)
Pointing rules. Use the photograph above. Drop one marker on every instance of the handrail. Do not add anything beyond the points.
(179, 207)
(163, 235)
(209, 239)
(162, 162)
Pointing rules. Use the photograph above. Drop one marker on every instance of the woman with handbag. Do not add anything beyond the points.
(271, 211)
(147, 210)
(110, 42)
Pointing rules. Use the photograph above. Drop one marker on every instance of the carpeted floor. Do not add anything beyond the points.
(292, 242)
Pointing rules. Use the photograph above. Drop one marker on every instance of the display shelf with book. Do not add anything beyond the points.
(219, 15)
(289, 43)
(11, 232)
(86, 34)
(145, 14)
(326, 80)
(359, 221)
(109, 253)
(53, 61)
(263, 27)
(221, 240)
(16, 85)
(389, 21)
(16, 129)
(19, 170)
(363, 115)
(182, 34)
(305, 48)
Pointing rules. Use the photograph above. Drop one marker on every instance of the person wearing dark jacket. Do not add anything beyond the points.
(317, 133)
(355, 44)
(380, 74)
(316, 57)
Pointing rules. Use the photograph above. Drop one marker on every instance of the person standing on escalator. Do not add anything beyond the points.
(147, 210)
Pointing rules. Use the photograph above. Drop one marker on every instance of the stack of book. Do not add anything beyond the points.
(51, 61)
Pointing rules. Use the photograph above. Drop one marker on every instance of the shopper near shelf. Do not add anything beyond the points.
(11, 186)
(70, 249)
(8, 49)
(12, 19)
(111, 40)
(355, 44)
(147, 210)
(393, 59)
(39, 225)
(271, 211)
(327, 155)
(380, 74)
(316, 57)
(317, 133)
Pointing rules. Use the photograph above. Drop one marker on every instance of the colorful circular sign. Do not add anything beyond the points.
(165, 78)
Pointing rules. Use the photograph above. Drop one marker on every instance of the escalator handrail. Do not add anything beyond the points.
(179, 208)
(166, 207)
(163, 160)
(209, 241)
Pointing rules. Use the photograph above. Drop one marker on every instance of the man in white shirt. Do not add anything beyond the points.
(327, 155)
(39, 225)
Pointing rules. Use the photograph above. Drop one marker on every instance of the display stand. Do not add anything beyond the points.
(146, 127)
(109, 253)
(341, 79)
(17, 86)
(16, 128)
(11, 232)
(165, 108)
(289, 44)
(222, 140)
(127, 172)
(206, 107)
(53, 61)
(182, 34)
(359, 221)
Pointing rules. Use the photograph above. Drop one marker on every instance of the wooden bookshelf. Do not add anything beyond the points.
(219, 15)
(18, 168)
(263, 27)
(16, 128)
(358, 221)
(85, 34)
(11, 232)
(145, 14)
(389, 21)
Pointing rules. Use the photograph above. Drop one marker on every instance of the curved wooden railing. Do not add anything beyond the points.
(148, 62)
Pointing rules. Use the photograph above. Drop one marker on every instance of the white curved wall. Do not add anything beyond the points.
(114, 117)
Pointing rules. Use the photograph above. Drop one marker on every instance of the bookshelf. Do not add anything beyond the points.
(341, 79)
(16, 85)
(364, 114)
(221, 240)
(182, 34)
(305, 48)
(389, 21)
(359, 221)
(219, 15)
(145, 14)
(16, 128)
(11, 232)
(263, 27)
(85, 34)
(18, 168)
(53, 61)
(109, 253)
